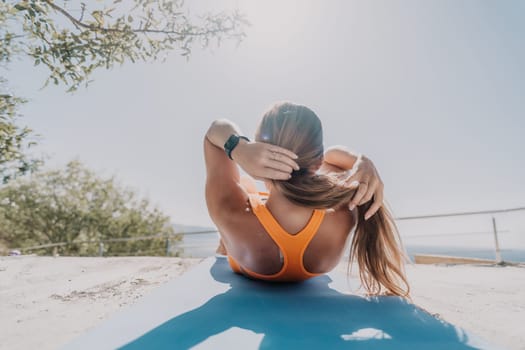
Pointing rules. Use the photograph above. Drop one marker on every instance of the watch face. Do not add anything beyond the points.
(231, 142)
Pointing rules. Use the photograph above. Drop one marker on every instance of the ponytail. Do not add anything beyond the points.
(375, 245)
(317, 191)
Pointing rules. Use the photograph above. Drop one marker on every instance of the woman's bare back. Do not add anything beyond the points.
(259, 253)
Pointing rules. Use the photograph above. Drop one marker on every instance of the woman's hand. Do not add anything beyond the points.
(365, 177)
(265, 161)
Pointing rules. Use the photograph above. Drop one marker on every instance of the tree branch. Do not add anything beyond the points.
(11, 37)
(79, 24)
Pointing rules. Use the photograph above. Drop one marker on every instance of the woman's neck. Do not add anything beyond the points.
(278, 201)
(291, 216)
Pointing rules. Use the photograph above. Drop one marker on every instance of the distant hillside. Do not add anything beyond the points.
(189, 229)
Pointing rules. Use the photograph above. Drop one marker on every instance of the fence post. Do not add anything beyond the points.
(100, 248)
(167, 246)
(496, 243)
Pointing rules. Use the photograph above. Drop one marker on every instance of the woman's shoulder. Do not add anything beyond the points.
(238, 209)
(341, 219)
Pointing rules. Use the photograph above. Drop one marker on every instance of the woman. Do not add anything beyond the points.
(312, 206)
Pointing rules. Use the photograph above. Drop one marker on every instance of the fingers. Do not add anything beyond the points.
(275, 174)
(378, 203)
(279, 166)
(361, 192)
(352, 185)
(353, 179)
(277, 169)
(365, 193)
(371, 189)
(283, 151)
(284, 161)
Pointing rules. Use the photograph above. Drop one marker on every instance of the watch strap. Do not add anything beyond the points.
(232, 142)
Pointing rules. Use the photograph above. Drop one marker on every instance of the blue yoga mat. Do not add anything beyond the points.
(210, 307)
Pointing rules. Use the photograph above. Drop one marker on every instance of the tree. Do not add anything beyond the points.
(78, 208)
(15, 140)
(71, 39)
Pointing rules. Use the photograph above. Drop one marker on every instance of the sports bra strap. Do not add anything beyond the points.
(291, 246)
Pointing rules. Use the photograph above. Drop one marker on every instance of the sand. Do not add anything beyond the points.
(47, 301)
(487, 300)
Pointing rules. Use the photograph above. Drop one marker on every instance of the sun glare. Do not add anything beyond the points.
(277, 23)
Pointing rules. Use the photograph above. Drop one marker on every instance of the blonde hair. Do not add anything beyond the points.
(375, 245)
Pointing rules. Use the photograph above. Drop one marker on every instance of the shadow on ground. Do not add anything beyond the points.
(308, 315)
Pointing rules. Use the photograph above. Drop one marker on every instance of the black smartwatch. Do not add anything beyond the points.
(232, 142)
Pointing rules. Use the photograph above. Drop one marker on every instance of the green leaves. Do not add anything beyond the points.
(72, 39)
(15, 140)
(71, 44)
(99, 17)
(74, 205)
(20, 7)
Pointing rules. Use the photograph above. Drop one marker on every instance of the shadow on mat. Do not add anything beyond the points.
(307, 315)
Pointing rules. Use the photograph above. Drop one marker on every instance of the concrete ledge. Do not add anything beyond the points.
(446, 259)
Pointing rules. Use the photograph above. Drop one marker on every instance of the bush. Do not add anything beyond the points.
(77, 209)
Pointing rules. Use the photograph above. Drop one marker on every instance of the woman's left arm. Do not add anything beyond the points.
(260, 160)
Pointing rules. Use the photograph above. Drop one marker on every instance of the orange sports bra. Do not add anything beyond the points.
(292, 246)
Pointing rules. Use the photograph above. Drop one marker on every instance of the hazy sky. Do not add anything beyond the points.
(432, 91)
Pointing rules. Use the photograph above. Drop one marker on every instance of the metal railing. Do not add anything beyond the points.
(180, 245)
(497, 249)
(101, 243)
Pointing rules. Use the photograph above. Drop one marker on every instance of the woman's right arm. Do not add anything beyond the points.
(340, 157)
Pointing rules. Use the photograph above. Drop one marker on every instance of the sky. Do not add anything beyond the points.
(433, 92)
